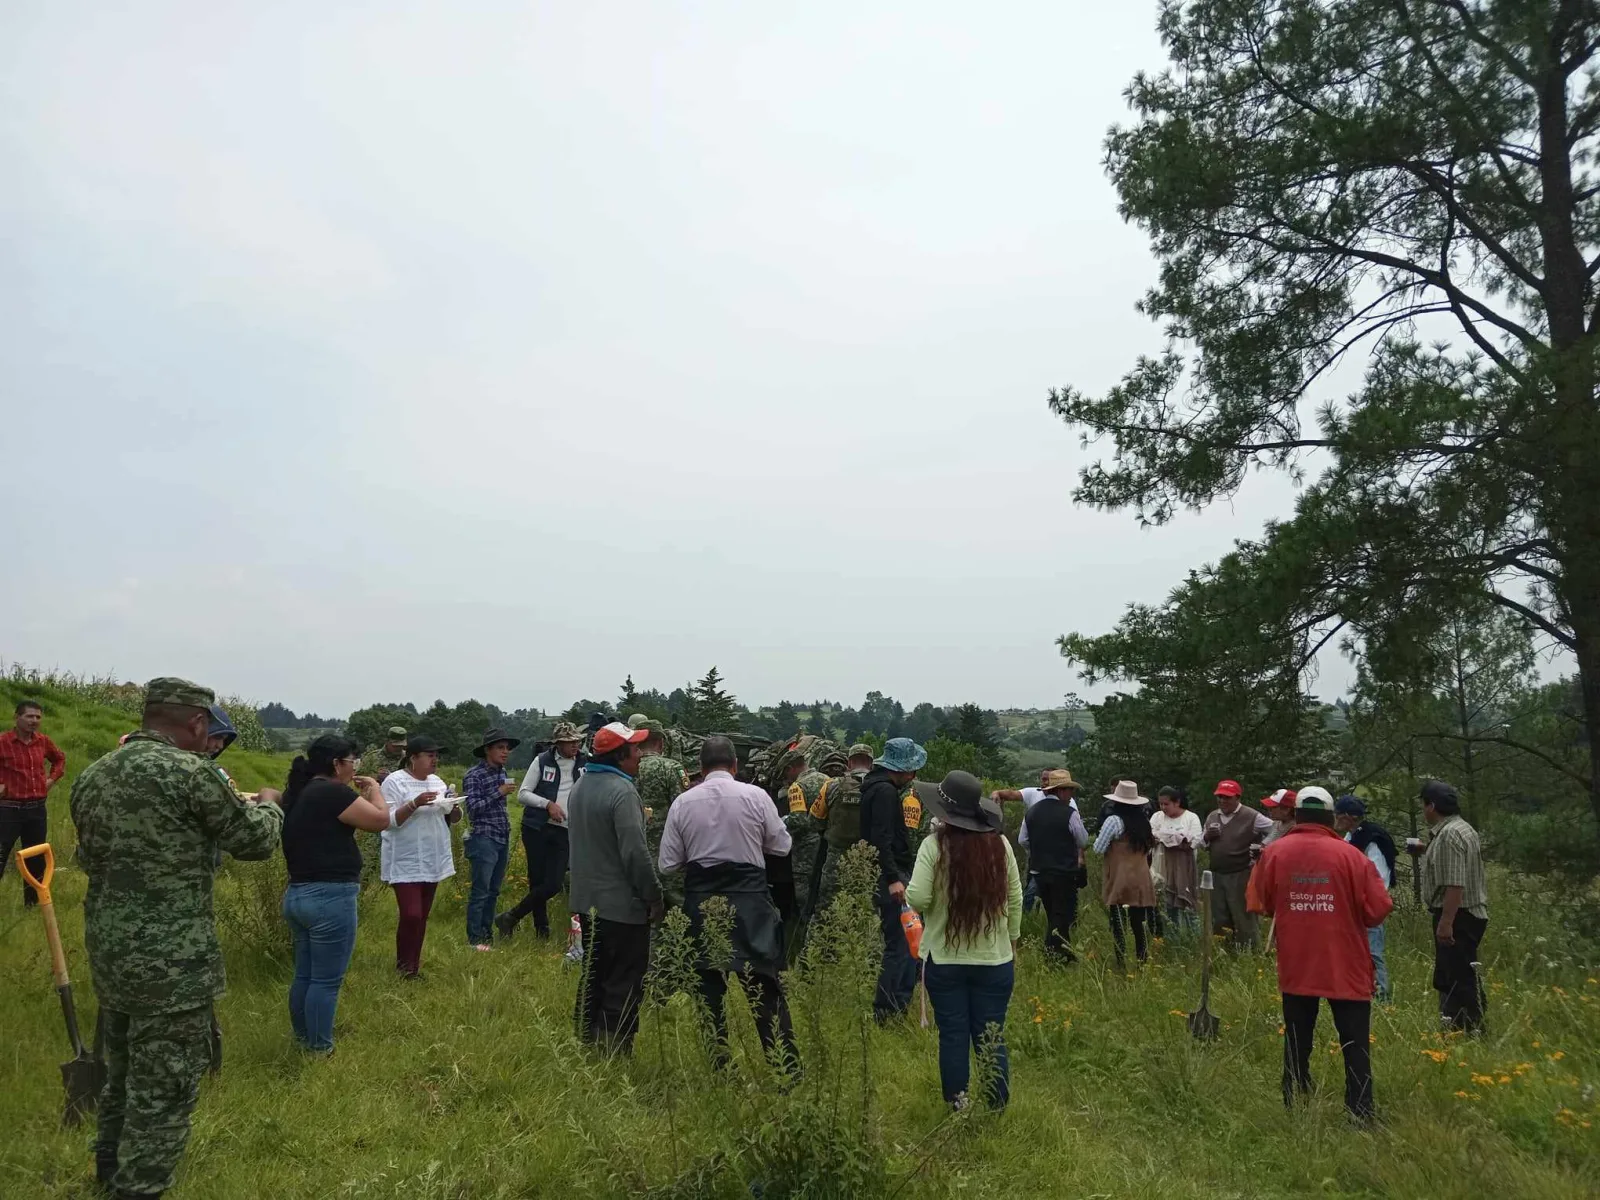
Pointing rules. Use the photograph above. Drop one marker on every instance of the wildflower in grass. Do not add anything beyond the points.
(1482, 1080)
(1038, 1018)
(1560, 991)
(1438, 1056)
(1557, 1056)
(1461, 1095)
(1176, 1012)
(1503, 1079)
(1536, 1045)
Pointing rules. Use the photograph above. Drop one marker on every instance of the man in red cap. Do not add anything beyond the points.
(1279, 808)
(615, 891)
(1231, 830)
(1323, 895)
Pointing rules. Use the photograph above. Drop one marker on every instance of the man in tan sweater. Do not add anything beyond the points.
(1231, 831)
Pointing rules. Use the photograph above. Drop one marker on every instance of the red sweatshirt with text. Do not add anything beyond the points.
(1324, 894)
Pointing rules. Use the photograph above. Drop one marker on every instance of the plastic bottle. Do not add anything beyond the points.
(911, 922)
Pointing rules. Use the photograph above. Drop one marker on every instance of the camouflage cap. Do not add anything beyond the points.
(397, 733)
(168, 689)
(566, 731)
(655, 727)
(638, 721)
(861, 750)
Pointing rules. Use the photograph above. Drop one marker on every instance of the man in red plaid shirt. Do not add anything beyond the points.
(25, 782)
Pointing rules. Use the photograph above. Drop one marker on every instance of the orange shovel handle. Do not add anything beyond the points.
(42, 886)
(47, 909)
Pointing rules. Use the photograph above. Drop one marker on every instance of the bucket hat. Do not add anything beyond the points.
(902, 754)
(958, 801)
(1126, 792)
(492, 736)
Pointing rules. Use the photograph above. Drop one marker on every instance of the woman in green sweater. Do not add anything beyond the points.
(969, 893)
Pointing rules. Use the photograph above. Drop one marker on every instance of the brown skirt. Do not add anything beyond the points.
(1178, 876)
(1126, 879)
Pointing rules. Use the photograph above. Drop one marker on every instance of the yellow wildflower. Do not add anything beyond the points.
(1461, 1095)
(1557, 1056)
(1503, 1079)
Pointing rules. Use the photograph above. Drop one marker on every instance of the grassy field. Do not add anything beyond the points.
(470, 1084)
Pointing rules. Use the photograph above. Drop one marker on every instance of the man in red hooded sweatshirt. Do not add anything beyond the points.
(1324, 895)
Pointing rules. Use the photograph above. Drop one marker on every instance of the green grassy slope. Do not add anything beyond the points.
(469, 1084)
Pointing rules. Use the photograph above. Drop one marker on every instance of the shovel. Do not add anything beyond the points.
(84, 1074)
(1202, 1022)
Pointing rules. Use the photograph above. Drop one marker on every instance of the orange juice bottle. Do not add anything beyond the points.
(911, 922)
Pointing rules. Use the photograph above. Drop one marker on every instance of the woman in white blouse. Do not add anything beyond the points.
(416, 846)
(1177, 835)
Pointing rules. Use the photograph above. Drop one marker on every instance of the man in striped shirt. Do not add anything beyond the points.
(1457, 895)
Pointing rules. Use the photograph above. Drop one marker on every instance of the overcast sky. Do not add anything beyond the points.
(373, 351)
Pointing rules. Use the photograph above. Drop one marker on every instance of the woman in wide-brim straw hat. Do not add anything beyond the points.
(968, 890)
(1125, 841)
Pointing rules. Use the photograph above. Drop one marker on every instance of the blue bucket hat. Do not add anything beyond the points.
(901, 754)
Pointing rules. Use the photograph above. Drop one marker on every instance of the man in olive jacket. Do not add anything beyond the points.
(614, 888)
(153, 818)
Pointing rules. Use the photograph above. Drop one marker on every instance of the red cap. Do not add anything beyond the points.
(608, 737)
(1282, 798)
(1228, 787)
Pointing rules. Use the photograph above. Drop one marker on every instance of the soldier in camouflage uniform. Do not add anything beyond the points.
(836, 814)
(380, 760)
(803, 828)
(152, 817)
(660, 781)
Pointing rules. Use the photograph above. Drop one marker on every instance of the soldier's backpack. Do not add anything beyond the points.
(843, 798)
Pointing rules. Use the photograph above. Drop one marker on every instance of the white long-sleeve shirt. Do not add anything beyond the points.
(568, 768)
(419, 850)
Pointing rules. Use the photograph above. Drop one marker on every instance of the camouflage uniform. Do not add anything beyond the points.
(151, 821)
(378, 762)
(661, 781)
(839, 828)
(803, 828)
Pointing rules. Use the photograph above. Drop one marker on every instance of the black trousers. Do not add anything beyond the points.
(23, 824)
(780, 882)
(546, 847)
(1455, 977)
(616, 956)
(1058, 893)
(771, 1012)
(1353, 1021)
(1136, 918)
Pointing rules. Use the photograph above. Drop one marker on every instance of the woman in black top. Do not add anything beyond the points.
(321, 813)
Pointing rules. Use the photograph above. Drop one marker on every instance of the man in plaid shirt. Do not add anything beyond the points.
(488, 844)
(1457, 895)
(25, 782)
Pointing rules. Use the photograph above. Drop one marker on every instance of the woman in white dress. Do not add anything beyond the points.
(416, 846)
(1177, 835)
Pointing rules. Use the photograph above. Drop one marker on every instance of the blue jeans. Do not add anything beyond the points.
(1375, 942)
(488, 858)
(966, 1001)
(1030, 892)
(897, 979)
(322, 919)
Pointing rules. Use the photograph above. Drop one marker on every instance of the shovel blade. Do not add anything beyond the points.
(82, 1077)
(1204, 1025)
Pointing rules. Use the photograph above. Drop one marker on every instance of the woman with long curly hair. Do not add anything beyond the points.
(968, 890)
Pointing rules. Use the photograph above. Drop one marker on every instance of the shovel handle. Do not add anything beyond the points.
(47, 908)
(42, 885)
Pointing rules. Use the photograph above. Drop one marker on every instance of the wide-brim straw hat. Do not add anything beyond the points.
(1126, 792)
(1059, 779)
